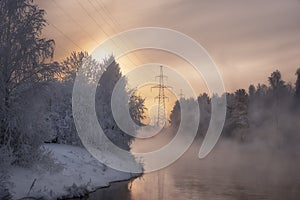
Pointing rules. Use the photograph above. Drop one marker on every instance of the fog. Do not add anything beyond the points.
(256, 157)
(255, 170)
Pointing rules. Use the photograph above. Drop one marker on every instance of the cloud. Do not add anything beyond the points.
(247, 39)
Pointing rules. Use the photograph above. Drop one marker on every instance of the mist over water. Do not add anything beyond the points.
(231, 171)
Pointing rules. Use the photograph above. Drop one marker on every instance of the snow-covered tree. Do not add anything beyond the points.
(237, 123)
(261, 90)
(59, 109)
(297, 92)
(71, 65)
(184, 116)
(204, 102)
(137, 108)
(175, 116)
(278, 93)
(23, 73)
(252, 91)
(59, 104)
(107, 82)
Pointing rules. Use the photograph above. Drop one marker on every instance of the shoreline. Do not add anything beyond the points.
(79, 175)
(100, 188)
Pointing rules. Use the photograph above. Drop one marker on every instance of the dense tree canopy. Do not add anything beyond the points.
(24, 67)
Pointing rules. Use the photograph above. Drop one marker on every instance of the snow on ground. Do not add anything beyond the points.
(79, 173)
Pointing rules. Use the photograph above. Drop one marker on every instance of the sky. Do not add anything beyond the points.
(247, 40)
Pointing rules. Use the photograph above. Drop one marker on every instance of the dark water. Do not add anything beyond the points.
(230, 172)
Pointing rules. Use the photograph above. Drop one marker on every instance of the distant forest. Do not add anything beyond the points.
(268, 113)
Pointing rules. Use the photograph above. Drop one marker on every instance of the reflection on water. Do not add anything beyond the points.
(223, 175)
(117, 191)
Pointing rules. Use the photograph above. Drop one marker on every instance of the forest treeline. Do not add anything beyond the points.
(36, 92)
(267, 113)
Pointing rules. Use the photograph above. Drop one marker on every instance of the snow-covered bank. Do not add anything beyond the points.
(79, 173)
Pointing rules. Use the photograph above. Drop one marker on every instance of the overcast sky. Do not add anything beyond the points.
(247, 39)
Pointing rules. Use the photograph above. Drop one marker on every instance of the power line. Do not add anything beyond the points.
(117, 24)
(99, 13)
(90, 16)
(60, 46)
(93, 19)
(73, 20)
(99, 26)
(61, 32)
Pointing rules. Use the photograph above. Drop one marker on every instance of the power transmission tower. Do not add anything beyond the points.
(181, 95)
(161, 114)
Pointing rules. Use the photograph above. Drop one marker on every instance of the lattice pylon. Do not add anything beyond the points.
(161, 109)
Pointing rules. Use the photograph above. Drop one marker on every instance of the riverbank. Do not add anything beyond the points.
(75, 173)
(115, 190)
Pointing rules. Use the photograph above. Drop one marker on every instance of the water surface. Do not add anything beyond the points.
(231, 172)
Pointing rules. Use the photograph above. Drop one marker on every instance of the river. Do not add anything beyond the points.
(230, 172)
